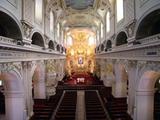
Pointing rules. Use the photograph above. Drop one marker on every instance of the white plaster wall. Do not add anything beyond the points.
(12, 6)
(142, 6)
(28, 11)
(128, 15)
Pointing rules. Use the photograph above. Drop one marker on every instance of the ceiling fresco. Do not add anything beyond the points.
(76, 13)
(79, 4)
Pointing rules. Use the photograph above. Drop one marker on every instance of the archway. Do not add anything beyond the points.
(108, 45)
(9, 28)
(156, 100)
(121, 78)
(102, 47)
(51, 45)
(150, 25)
(38, 80)
(37, 39)
(14, 95)
(121, 39)
(58, 47)
(145, 95)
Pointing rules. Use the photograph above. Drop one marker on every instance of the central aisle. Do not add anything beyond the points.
(80, 111)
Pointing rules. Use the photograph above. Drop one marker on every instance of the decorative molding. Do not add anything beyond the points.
(5, 40)
(13, 3)
(27, 29)
(130, 28)
(149, 51)
(12, 55)
(142, 2)
(155, 66)
(6, 67)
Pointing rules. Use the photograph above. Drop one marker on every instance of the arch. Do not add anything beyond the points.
(157, 84)
(38, 79)
(121, 38)
(121, 79)
(108, 45)
(9, 27)
(148, 80)
(102, 47)
(151, 23)
(37, 39)
(98, 49)
(51, 45)
(12, 80)
(58, 47)
(145, 95)
(156, 100)
(14, 94)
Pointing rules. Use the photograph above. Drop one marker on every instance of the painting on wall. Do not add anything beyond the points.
(80, 60)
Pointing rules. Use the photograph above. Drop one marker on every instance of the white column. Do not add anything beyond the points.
(50, 84)
(120, 84)
(14, 104)
(39, 84)
(131, 88)
(144, 105)
(108, 80)
(120, 89)
(40, 90)
(27, 78)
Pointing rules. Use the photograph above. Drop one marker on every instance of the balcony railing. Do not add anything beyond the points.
(150, 39)
(6, 40)
(10, 43)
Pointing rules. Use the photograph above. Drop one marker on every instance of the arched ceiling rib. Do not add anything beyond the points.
(80, 13)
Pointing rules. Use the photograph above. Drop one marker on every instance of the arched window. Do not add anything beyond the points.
(121, 39)
(38, 10)
(51, 21)
(97, 38)
(69, 41)
(119, 10)
(58, 30)
(108, 21)
(37, 39)
(91, 40)
(101, 30)
(151, 23)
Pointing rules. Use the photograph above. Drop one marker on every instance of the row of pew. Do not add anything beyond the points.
(43, 108)
(67, 107)
(94, 109)
(116, 107)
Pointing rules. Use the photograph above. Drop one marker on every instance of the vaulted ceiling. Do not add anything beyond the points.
(80, 13)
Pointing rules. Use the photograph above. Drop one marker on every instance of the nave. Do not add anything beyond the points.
(81, 102)
(51, 47)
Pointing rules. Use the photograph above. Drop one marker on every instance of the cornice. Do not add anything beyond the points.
(17, 56)
(146, 52)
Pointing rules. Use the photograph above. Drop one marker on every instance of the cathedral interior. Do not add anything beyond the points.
(79, 59)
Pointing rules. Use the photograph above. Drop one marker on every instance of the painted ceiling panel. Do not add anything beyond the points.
(79, 4)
